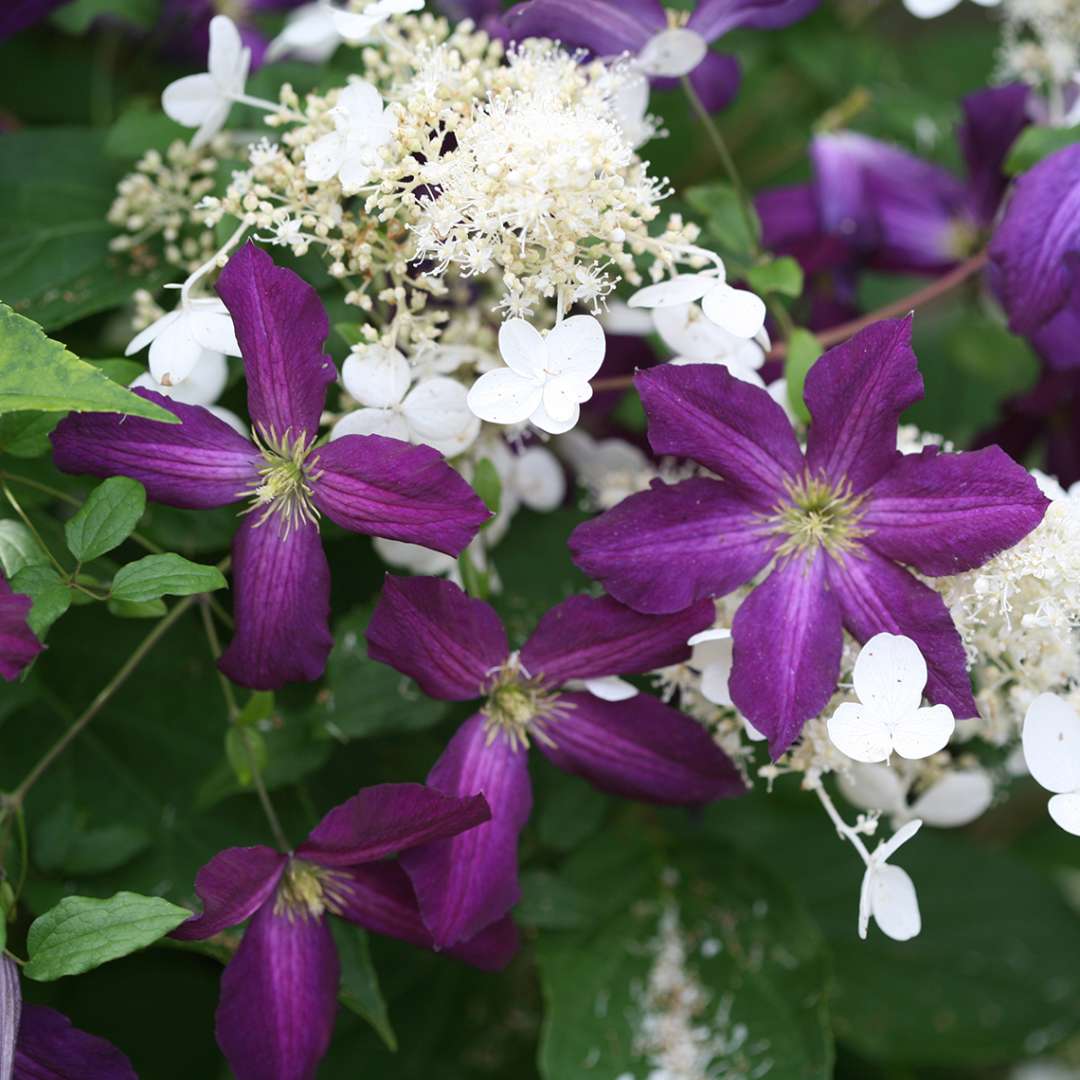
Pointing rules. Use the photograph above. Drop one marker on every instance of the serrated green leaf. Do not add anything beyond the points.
(18, 548)
(164, 575)
(783, 276)
(1036, 143)
(51, 596)
(82, 933)
(359, 980)
(802, 351)
(106, 519)
(40, 374)
(26, 434)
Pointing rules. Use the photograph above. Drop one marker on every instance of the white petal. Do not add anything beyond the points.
(611, 688)
(685, 330)
(902, 835)
(386, 422)
(324, 157)
(204, 383)
(893, 903)
(354, 173)
(439, 415)
(1052, 743)
(539, 479)
(930, 9)
(1065, 810)
(354, 27)
(230, 418)
(923, 732)
(190, 100)
(212, 327)
(156, 328)
(227, 62)
(523, 349)
(540, 418)
(711, 656)
(576, 347)
(630, 103)
(752, 732)
(212, 123)
(718, 633)
(376, 376)
(362, 103)
(956, 799)
(737, 311)
(309, 35)
(864, 904)
(562, 396)
(683, 289)
(504, 397)
(872, 787)
(419, 560)
(857, 732)
(174, 353)
(889, 676)
(621, 318)
(672, 53)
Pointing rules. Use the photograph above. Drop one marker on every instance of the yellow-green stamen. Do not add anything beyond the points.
(308, 891)
(284, 488)
(817, 514)
(520, 707)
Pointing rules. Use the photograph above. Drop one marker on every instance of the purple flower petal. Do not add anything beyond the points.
(1036, 248)
(18, 644)
(602, 27)
(664, 549)
(431, 631)
(1056, 342)
(381, 899)
(640, 749)
(468, 882)
(232, 886)
(877, 596)
(993, 118)
(385, 487)
(588, 637)
(197, 464)
(702, 412)
(855, 394)
(280, 326)
(10, 1011)
(281, 604)
(50, 1048)
(18, 15)
(946, 513)
(714, 18)
(388, 818)
(279, 997)
(715, 80)
(787, 640)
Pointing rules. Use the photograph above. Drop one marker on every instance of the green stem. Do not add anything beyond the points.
(24, 517)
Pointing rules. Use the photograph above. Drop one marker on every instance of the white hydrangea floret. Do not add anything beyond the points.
(888, 893)
(738, 311)
(361, 126)
(183, 338)
(357, 26)
(1051, 743)
(697, 340)
(310, 34)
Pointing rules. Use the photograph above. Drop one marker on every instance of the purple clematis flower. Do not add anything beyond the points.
(16, 15)
(38, 1043)
(188, 23)
(364, 483)
(18, 644)
(610, 28)
(456, 649)
(830, 527)
(279, 992)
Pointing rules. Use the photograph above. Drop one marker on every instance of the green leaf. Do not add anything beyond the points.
(81, 933)
(26, 434)
(142, 127)
(106, 519)
(18, 548)
(63, 845)
(751, 968)
(241, 746)
(1036, 143)
(803, 349)
(77, 17)
(164, 575)
(725, 219)
(349, 333)
(487, 484)
(130, 609)
(783, 275)
(51, 596)
(359, 980)
(259, 707)
(39, 373)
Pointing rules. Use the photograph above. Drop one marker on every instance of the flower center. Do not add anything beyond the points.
(817, 515)
(284, 485)
(308, 891)
(519, 706)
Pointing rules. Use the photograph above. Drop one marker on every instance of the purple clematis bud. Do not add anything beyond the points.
(38, 1043)
(18, 645)
(657, 36)
(829, 528)
(456, 649)
(279, 992)
(364, 483)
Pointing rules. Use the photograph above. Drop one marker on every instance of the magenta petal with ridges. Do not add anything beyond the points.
(197, 464)
(386, 487)
(388, 818)
(787, 639)
(602, 27)
(664, 549)
(639, 749)
(855, 394)
(281, 326)
(468, 882)
(714, 18)
(947, 513)
(877, 596)
(232, 886)
(587, 637)
(279, 997)
(430, 630)
(281, 604)
(51, 1048)
(734, 429)
(18, 643)
(993, 118)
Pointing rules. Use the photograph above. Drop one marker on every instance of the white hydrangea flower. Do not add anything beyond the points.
(931, 9)
(738, 311)
(183, 338)
(350, 151)
(711, 659)
(203, 386)
(546, 379)
(537, 479)
(697, 340)
(310, 34)
(434, 412)
(956, 799)
(672, 53)
(203, 101)
(889, 677)
(1051, 741)
(888, 893)
(357, 26)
